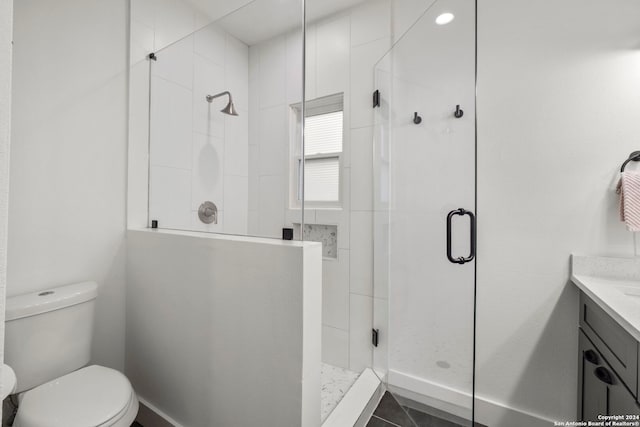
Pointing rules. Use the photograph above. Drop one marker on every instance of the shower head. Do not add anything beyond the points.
(230, 109)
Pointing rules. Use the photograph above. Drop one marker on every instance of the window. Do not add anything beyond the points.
(323, 151)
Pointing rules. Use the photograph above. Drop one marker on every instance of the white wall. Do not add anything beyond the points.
(6, 35)
(67, 202)
(197, 153)
(558, 110)
(236, 343)
(341, 52)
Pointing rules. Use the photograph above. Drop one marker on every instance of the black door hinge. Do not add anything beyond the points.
(376, 98)
(374, 336)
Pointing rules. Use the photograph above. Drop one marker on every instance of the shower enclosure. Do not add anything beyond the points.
(383, 173)
(424, 222)
(405, 76)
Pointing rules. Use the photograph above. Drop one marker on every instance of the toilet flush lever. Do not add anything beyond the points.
(208, 213)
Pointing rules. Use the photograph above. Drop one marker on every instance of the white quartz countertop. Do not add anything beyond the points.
(613, 284)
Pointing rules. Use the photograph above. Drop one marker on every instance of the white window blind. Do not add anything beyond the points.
(323, 133)
(322, 179)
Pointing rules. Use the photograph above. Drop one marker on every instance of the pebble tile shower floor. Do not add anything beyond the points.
(335, 384)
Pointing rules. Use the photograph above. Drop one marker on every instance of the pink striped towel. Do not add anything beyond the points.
(629, 190)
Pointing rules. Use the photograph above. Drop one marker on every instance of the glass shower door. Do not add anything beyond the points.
(424, 225)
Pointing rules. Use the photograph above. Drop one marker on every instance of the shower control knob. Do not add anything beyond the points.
(208, 213)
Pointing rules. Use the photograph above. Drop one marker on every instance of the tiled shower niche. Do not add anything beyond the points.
(325, 234)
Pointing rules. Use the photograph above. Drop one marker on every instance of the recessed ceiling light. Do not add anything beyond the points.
(444, 18)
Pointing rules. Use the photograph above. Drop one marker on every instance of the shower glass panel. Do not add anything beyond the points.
(344, 40)
(222, 135)
(423, 222)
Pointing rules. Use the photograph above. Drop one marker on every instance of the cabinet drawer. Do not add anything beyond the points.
(600, 390)
(592, 393)
(621, 402)
(618, 347)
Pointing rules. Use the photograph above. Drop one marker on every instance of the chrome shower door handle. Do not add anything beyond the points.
(472, 236)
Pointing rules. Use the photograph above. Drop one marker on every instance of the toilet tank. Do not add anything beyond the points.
(48, 333)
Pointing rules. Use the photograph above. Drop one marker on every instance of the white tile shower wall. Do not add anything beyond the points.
(340, 55)
(69, 128)
(6, 35)
(197, 153)
(156, 24)
(269, 134)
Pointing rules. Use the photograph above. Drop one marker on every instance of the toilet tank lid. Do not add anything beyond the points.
(39, 302)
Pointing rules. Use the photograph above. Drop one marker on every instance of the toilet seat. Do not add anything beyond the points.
(94, 396)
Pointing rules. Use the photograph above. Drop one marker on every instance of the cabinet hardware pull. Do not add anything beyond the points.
(603, 375)
(591, 356)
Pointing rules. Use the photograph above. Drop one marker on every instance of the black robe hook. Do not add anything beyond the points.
(416, 118)
(458, 113)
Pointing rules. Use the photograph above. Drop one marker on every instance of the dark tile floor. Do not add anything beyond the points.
(390, 413)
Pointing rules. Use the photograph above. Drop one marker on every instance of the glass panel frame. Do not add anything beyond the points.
(216, 159)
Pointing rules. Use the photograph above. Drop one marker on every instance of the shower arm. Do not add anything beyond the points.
(210, 98)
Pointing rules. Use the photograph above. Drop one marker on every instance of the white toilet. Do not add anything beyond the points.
(47, 343)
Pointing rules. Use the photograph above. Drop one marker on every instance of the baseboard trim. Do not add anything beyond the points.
(488, 412)
(432, 394)
(150, 416)
(497, 414)
(356, 407)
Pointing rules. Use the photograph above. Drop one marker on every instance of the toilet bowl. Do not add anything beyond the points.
(94, 396)
(47, 343)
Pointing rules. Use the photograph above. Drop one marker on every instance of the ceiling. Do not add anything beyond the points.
(259, 20)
